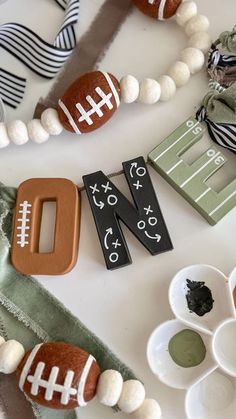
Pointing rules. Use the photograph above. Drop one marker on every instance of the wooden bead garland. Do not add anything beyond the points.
(61, 376)
(93, 99)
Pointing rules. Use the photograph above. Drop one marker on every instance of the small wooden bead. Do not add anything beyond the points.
(51, 122)
(129, 87)
(150, 409)
(17, 132)
(36, 131)
(168, 88)
(180, 73)
(185, 12)
(11, 354)
(132, 396)
(198, 23)
(200, 40)
(150, 91)
(4, 139)
(109, 387)
(2, 340)
(194, 58)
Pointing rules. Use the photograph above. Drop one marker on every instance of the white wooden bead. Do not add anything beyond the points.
(109, 387)
(2, 340)
(129, 87)
(200, 40)
(185, 11)
(168, 87)
(180, 73)
(11, 354)
(36, 131)
(17, 132)
(51, 122)
(132, 396)
(198, 23)
(150, 409)
(194, 58)
(150, 91)
(4, 139)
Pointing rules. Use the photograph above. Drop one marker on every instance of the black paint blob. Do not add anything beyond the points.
(199, 298)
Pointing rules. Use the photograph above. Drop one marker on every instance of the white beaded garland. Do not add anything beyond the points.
(109, 387)
(129, 87)
(194, 58)
(200, 40)
(150, 91)
(185, 12)
(11, 354)
(17, 132)
(198, 23)
(51, 122)
(132, 396)
(4, 139)
(180, 73)
(36, 131)
(168, 88)
(150, 409)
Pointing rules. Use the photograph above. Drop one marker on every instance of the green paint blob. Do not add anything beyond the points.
(187, 349)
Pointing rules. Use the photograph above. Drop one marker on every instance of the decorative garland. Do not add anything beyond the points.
(61, 376)
(92, 99)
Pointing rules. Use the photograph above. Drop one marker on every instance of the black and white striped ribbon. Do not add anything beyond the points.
(216, 59)
(37, 54)
(12, 88)
(222, 134)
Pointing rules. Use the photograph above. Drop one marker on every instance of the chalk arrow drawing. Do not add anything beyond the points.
(157, 237)
(109, 231)
(132, 168)
(98, 204)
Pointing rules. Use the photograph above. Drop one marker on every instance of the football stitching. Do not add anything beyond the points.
(23, 237)
(51, 385)
(95, 107)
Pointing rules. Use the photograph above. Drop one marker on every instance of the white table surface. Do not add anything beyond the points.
(124, 306)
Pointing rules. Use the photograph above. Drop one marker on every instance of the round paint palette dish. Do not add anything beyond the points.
(197, 350)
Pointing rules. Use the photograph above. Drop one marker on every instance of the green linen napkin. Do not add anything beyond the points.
(29, 314)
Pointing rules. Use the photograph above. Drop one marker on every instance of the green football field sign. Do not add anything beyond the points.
(191, 180)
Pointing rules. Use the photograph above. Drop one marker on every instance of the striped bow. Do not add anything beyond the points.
(222, 134)
(41, 57)
(38, 55)
(216, 59)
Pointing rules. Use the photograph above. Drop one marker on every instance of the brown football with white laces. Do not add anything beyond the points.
(89, 102)
(58, 375)
(159, 9)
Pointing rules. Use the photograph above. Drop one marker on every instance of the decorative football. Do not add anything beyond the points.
(89, 102)
(159, 9)
(58, 375)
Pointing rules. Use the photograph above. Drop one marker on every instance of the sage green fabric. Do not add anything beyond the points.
(228, 40)
(221, 107)
(28, 313)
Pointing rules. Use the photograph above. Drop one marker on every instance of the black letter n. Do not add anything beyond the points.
(109, 206)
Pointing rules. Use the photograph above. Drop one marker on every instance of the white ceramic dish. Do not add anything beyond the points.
(211, 391)
(222, 402)
(165, 368)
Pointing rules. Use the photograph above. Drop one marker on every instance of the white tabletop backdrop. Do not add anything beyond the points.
(124, 306)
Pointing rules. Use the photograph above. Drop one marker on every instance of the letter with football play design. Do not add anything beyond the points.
(144, 220)
(31, 196)
(190, 180)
